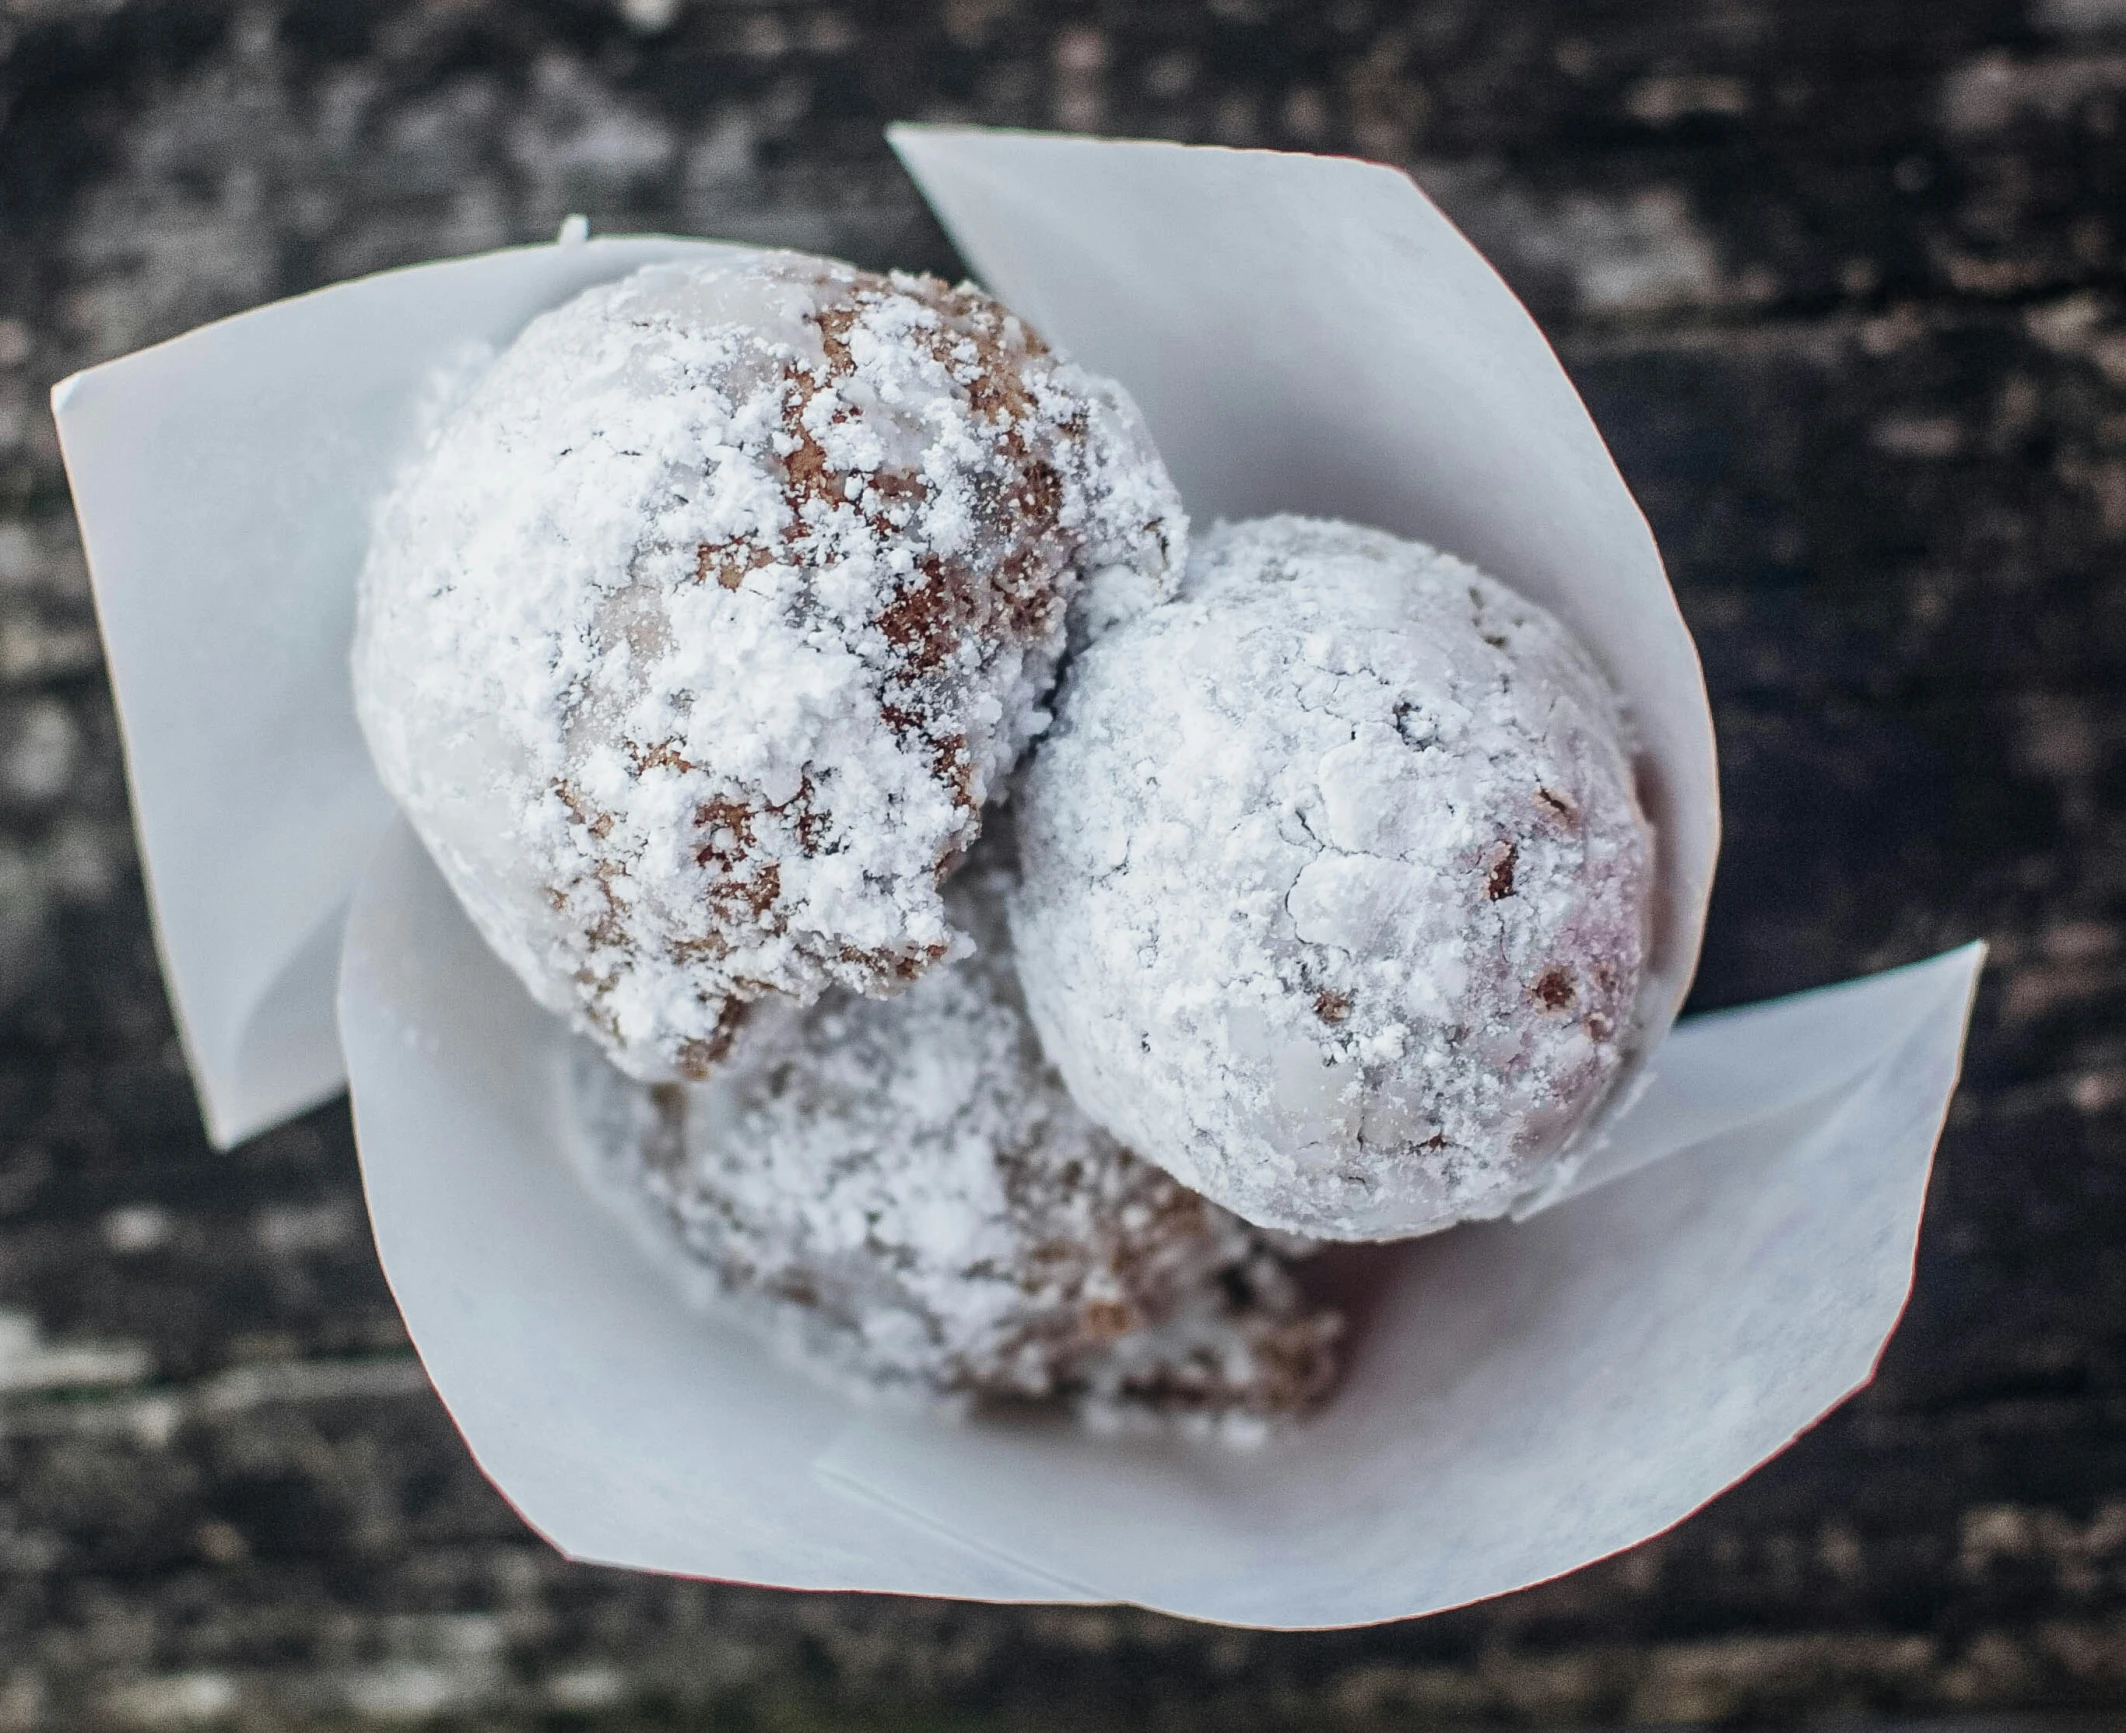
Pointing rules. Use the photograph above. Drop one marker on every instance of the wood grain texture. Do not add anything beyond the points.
(1844, 283)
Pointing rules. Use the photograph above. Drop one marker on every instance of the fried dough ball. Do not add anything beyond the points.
(907, 1183)
(1335, 889)
(707, 621)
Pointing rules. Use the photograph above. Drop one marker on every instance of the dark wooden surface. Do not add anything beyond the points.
(1845, 284)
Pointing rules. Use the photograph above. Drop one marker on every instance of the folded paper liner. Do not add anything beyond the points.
(1304, 334)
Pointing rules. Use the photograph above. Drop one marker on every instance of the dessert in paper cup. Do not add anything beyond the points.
(1022, 877)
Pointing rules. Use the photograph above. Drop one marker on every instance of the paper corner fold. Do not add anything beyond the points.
(62, 394)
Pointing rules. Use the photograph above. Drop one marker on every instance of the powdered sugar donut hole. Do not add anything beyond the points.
(708, 620)
(903, 1189)
(1334, 889)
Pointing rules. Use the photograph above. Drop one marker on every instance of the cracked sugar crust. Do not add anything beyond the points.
(715, 610)
(904, 1187)
(1334, 888)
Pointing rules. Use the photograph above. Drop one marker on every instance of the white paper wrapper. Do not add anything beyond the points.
(1304, 334)
(1528, 1398)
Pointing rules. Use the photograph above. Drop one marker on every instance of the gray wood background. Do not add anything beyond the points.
(1845, 283)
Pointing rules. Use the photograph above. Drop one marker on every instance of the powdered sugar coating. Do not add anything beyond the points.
(1335, 890)
(908, 1180)
(707, 622)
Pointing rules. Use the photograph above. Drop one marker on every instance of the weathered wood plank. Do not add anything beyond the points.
(1846, 285)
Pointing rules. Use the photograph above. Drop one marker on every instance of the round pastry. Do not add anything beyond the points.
(709, 618)
(908, 1183)
(1335, 889)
